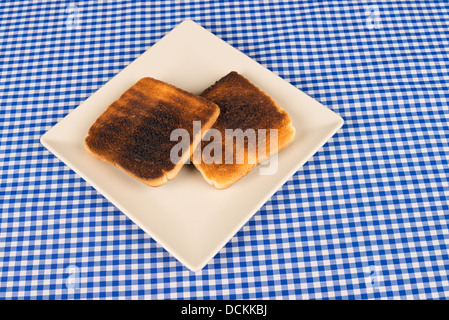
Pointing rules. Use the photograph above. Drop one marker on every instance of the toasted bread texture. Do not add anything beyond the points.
(243, 106)
(134, 131)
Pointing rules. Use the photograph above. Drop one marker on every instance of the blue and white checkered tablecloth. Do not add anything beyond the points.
(365, 218)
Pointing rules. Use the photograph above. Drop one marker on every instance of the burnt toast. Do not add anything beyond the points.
(134, 132)
(243, 106)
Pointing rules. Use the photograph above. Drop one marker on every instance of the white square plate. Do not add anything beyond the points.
(187, 216)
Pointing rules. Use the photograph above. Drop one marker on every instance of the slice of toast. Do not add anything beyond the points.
(243, 106)
(134, 131)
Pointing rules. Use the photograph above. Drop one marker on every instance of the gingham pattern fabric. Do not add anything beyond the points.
(365, 218)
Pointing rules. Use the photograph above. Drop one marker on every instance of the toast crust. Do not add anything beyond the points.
(243, 106)
(134, 131)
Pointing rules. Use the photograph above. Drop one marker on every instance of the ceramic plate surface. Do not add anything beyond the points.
(187, 216)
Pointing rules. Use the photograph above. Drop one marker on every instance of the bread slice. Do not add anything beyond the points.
(243, 106)
(134, 131)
